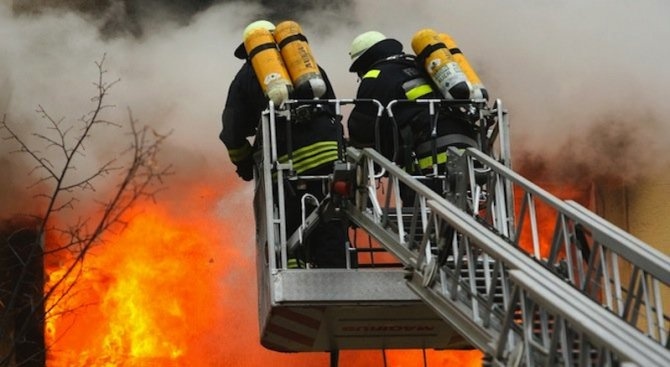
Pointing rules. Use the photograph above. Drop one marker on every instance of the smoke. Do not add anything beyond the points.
(172, 79)
(584, 82)
(571, 74)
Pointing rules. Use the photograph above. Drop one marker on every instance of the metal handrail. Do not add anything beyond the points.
(495, 326)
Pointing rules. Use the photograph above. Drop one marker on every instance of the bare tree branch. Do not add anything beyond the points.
(138, 178)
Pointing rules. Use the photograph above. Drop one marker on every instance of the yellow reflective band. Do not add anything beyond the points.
(315, 161)
(419, 91)
(372, 73)
(309, 150)
(426, 162)
(293, 263)
(311, 156)
(315, 153)
(239, 154)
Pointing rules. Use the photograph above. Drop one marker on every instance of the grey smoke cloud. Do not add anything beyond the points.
(584, 82)
(577, 77)
(563, 69)
(173, 79)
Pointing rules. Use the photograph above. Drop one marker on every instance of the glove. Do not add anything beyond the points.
(245, 169)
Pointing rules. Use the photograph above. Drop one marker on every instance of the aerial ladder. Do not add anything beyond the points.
(462, 276)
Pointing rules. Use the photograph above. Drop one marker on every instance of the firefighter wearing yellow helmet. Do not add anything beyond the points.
(314, 143)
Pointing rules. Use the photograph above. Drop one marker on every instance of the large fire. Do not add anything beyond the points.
(151, 294)
(178, 288)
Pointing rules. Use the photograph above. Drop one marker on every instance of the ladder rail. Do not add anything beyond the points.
(493, 326)
(608, 270)
(446, 248)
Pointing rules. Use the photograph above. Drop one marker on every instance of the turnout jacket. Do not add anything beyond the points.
(313, 143)
(394, 77)
(398, 77)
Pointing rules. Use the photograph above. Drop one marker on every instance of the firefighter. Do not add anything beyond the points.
(386, 73)
(241, 116)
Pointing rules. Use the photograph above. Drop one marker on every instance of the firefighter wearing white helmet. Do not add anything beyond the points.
(387, 73)
(316, 140)
(362, 42)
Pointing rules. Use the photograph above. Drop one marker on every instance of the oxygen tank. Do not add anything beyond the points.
(440, 65)
(299, 60)
(268, 65)
(478, 89)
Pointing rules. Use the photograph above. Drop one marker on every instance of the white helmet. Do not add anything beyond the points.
(363, 42)
(259, 24)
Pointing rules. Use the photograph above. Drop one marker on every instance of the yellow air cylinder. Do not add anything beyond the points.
(268, 65)
(478, 89)
(440, 65)
(299, 60)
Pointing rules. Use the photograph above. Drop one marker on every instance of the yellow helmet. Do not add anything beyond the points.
(240, 52)
(259, 24)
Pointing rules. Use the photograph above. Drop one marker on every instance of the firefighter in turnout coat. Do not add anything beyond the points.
(314, 141)
(386, 73)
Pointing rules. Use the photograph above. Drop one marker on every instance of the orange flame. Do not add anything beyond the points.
(546, 215)
(178, 288)
(147, 295)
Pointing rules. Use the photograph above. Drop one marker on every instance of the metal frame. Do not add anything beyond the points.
(462, 260)
(516, 305)
(616, 270)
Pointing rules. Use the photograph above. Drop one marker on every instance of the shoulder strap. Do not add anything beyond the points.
(394, 58)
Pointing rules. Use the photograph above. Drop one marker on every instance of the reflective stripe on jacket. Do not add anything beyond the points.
(393, 78)
(241, 115)
(312, 156)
